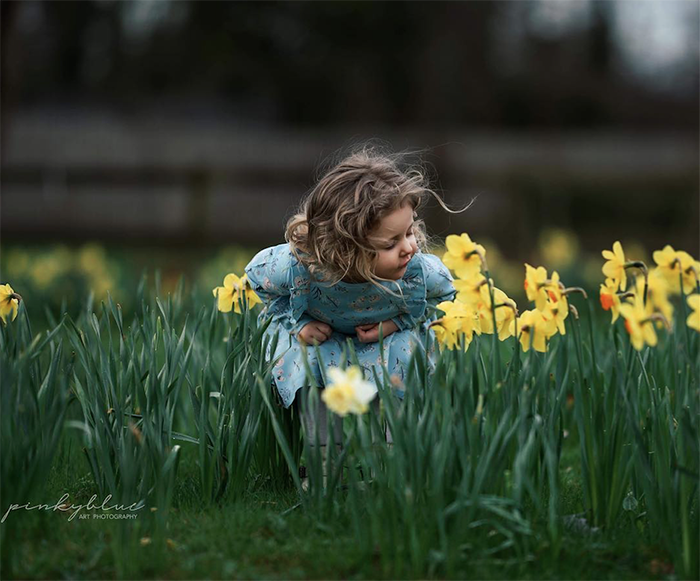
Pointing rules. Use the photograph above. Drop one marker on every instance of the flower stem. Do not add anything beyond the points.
(575, 289)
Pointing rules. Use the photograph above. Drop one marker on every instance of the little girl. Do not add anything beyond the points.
(355, 260)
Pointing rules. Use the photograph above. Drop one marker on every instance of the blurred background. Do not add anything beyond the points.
(180, 135)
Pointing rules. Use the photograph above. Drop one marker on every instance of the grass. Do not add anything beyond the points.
(259, 537)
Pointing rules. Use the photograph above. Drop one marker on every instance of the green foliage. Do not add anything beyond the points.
(33, 400)
(472, 473)
(477, 442)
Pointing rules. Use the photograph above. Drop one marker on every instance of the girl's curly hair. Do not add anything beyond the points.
(330, 233)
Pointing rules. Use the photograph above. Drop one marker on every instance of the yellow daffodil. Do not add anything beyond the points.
(694, 316)
(536, 284)
(532, 327)
(230, 294)
(251, 298)
(449, 306)
(348, 392)
(657, 293)
(484, 313)
(638, 323)
(609, 299)
(448, 332)
(338, 399)
(614, 266)
(9, 302)
(556, 311)
(506, 313)
(674, 264)
(463, 255)
(554, 314)
(558, 248)
(459, 320)
(227, 294)
(92, 258)
(469, 289)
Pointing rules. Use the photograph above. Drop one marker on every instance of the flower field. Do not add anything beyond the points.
(563, 428)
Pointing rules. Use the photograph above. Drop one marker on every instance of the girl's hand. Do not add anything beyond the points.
(314, 332)
(370, 333)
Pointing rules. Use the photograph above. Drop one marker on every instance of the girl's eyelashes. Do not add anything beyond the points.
(409, 234)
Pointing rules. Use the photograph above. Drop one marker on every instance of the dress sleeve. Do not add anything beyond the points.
(438, 287)
(276, 277)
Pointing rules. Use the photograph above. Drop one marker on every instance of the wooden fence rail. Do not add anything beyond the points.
(177, 181)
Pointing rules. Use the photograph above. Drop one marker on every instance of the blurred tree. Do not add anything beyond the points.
(8, 74)
(432, 64)
(600, 38)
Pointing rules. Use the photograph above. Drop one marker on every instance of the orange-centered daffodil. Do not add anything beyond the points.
(609, 299)
(556, 312)
(638, 323)
(536, 283)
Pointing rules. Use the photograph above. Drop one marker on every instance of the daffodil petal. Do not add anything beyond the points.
(231, 281)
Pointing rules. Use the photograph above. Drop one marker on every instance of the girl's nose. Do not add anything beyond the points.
(407, 247)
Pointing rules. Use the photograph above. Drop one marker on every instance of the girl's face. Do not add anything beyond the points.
(395, 243)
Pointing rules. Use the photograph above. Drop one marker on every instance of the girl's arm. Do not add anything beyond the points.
(438, 288)
(271, 277)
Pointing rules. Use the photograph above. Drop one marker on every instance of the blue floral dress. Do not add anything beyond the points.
(292, 299)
